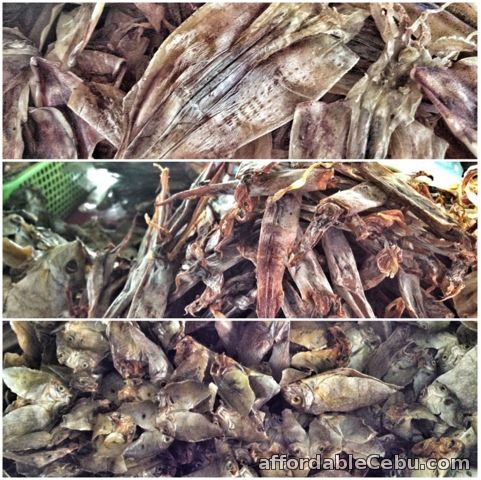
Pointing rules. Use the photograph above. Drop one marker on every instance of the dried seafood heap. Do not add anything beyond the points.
(282, 239)
(243, 80)
(214, 398)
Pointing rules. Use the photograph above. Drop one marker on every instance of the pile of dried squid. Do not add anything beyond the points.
(242, 80)
(267, 240)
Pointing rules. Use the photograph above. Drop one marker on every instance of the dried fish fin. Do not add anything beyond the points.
(344, 273)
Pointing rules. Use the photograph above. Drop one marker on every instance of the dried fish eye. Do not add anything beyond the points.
(85, 365)
(442, 388)
(448, 402)
(71, 266)
(451, 444)
(445, 357)
(61, 388)
(167, 438)
(296, 400)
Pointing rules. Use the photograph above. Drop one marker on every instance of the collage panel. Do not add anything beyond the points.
(290, 290)
(240, 239)
(223, 398)
(239, 80)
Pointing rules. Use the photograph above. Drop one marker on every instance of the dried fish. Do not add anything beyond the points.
(222, 412)
(340, 390)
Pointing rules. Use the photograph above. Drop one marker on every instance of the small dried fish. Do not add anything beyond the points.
(341, 390)
(222, 412)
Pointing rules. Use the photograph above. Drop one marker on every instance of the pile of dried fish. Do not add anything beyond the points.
(212, 399)
(242, 80)
(292, 240)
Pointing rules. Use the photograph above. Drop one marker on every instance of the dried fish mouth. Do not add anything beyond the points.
(239, 80)
(222, 407)
(250, 239)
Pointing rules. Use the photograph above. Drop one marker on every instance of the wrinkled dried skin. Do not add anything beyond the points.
(240, 427)
(412, 294)
(187, 394)
(100, 106)
(416, 141)
(314, 286)
(344, 273)
(132, 352)
(49, 135)
(319, 130)
(36, 21)
(74, 29)
(24, 420)
(17, 51)
(424, 208)
(278, 232)
(44, 291)
(233, 384)
(248, 111)
(294, 435)
(336, 354)
(329, 211)
(333, 434)
(188, 426)
(453, 91)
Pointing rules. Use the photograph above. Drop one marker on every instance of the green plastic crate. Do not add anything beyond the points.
(61, 183)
